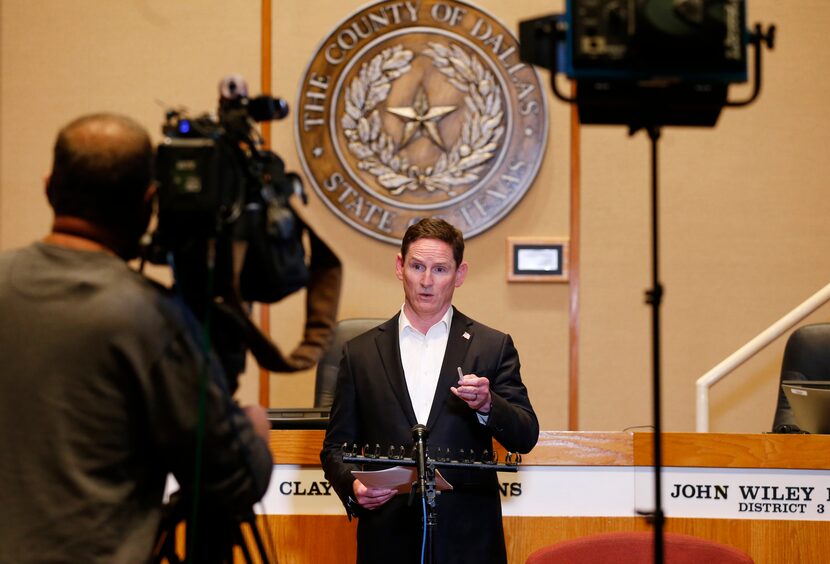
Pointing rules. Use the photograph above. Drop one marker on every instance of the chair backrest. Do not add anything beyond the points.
(326, 379)
(806, 357)
(637, 548)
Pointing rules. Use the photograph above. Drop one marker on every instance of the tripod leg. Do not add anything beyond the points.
(165, 548)
(243, 546)
(241, 541)
(258, 539)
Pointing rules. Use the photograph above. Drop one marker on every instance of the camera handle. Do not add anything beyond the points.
(322, 301)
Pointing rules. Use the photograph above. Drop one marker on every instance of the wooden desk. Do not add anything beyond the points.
(307, 539)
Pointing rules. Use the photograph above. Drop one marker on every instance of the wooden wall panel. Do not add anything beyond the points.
(330, 539)
(312, 539)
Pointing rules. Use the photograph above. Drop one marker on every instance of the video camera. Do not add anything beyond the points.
(224, 216)
(225, 221)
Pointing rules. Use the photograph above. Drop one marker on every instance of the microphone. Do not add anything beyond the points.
(232, 87)
(419, 434)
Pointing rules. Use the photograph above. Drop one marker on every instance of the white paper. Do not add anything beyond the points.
(398, 478)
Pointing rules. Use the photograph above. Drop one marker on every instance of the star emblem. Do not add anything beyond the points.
(421, 118)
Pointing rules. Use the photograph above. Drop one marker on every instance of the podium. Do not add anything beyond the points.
(768, 495)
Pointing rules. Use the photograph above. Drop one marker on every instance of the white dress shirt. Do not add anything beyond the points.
(422, 357)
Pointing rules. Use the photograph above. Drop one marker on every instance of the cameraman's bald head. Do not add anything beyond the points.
(102, 170)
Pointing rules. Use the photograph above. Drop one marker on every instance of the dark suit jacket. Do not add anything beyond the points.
(372, 406)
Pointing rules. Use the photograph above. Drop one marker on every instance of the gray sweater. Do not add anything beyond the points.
(99, 384)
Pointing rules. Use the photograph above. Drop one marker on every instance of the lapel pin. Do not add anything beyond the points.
(466, 335)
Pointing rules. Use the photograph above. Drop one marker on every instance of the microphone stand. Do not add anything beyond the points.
(425, 481)
(426, 487)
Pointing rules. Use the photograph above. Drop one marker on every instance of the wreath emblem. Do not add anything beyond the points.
(379, 154)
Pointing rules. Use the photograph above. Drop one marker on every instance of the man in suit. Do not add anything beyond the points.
(406, 372)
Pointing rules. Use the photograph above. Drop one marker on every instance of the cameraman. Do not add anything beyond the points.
(100, 373)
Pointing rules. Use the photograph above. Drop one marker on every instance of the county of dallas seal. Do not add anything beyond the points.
(417, 109)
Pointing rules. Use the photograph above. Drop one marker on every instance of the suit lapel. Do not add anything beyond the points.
(457, 344)
(390, 356)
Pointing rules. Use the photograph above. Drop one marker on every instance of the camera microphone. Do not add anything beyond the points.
(232, 87)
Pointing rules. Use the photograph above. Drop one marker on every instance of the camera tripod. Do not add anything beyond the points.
(218, 536)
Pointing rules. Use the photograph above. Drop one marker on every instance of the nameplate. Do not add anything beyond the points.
(603, 491)
(738, 493)
(535, 491)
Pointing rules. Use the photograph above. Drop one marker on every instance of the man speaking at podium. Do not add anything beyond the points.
(101, 373)
(430, 365)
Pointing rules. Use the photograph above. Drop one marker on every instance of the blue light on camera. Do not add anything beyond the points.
(184, 126)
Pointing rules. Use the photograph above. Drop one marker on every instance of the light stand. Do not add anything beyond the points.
(654, 297)
(639, 104)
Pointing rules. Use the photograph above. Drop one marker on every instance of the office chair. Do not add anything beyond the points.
(637, 548)
(806, 357)
(326, 378)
